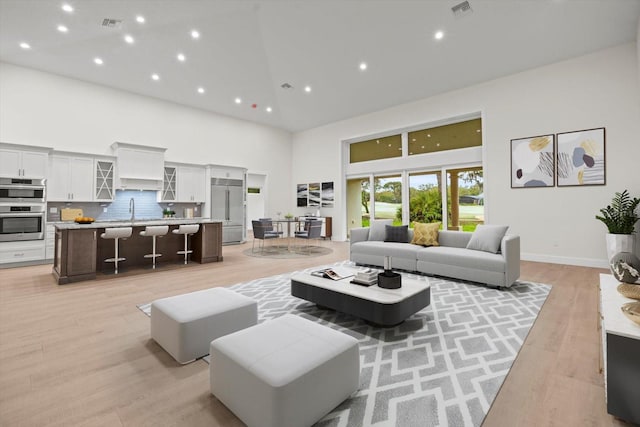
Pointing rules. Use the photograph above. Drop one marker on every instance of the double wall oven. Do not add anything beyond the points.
(22, 209)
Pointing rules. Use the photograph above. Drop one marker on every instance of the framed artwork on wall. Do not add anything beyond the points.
(314, 194)
(302, 195)
(532, 162)
(327, 194)
(581, 158)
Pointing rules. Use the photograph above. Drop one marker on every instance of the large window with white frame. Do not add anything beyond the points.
(435, 185)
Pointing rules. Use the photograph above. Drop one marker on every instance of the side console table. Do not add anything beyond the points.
(621, 353)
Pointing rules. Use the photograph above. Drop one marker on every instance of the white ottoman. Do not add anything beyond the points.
(284, 372)
(185, 325)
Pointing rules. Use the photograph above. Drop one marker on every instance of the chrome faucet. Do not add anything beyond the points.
(132, 209)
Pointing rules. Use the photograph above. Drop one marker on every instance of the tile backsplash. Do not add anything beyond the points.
(146, 204)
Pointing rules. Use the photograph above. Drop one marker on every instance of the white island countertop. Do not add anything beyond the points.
(615, 322)
(71, 225)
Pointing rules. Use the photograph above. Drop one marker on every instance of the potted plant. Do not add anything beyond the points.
(620, 218)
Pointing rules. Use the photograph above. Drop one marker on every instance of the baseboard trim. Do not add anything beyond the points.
(581, 262)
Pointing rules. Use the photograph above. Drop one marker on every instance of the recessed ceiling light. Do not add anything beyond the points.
(62, 28)
(200, 89)
(67, 8)
(154, 76)
(269, 109)
(140, 19)
(181, 57)
(129, 38)
(307, 89)
(195, 34)
(478, 131)
(98, 61)
(363, 66)
(238, 101)
(428, 135)
(422, 146)
(25, 45)
(438, 35)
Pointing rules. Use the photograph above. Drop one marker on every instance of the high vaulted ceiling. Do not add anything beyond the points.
(248, 49)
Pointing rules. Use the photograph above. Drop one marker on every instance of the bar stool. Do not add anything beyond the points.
(154, 231)
(115, 234)
(186, 229)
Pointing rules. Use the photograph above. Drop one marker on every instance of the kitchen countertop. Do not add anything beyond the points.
(71, 225)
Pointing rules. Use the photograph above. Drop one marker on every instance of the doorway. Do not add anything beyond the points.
(256, 188)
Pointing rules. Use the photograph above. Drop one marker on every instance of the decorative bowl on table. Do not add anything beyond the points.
(632, 311)
(84, 220)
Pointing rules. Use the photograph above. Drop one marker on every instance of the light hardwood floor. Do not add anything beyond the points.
(80, 354)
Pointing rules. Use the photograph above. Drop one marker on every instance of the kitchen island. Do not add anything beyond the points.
(80, 251)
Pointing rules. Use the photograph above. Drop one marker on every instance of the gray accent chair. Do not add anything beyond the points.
(312, 231)
(450, 259)
(262, 230)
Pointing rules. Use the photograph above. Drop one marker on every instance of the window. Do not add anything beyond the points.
(447, 137)
(376, 149)
(425, 197)
(465, 198)
(253, 190)
(388, 198)
(358, 203)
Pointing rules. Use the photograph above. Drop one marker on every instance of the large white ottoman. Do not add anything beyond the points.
(184, 325)
(284, 372)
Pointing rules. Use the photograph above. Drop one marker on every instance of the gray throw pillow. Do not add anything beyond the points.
(487, 238)
(396, 233)
(377, 229)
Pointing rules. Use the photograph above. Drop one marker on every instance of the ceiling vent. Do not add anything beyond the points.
(112, 23)
(286, 86)
(462, 9)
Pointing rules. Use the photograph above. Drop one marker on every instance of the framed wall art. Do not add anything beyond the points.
(302, 195)
(532, 162)
(314, 194)
(327, 194)
(581, 157)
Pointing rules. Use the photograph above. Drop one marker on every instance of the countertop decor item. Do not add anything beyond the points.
(84, 220)
(620, 218)
(388, 279)
(629, 291)
(632, 311)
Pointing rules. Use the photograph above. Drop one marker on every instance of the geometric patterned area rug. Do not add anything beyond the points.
(443, 366)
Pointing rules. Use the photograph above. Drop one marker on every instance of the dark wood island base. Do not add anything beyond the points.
(80, 251)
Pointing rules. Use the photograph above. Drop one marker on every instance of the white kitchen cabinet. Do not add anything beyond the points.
(70, 179)
(191, 184)
(169, 191)
(49, 241)
(231, 172)
(140, 167)
(17, 252)
(16, 163)
(104, 179)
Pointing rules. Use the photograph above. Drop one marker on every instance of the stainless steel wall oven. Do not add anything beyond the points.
(21, 190)
(22, 222)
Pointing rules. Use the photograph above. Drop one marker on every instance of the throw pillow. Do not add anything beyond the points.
(377, 229)
(487, 238)
(425, 234)
(396, 233)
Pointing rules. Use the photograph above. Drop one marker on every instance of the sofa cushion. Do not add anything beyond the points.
(425, 234)
(392, 249)
(377, 229)
(487, 238)
(396, 233)
(460, 257)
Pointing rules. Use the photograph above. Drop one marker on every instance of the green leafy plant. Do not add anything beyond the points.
(620, 216)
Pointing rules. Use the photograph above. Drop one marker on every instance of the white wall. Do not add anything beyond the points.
(38, 108)
(555, 224)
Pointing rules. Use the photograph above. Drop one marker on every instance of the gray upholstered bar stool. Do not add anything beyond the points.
(186, 229)
(116, 234)
(153, 232)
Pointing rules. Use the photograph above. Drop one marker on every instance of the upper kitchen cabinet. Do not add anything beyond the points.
(232, 172)
(19, 162)
(104, 179)
(184, 183)
(70, 178)
(191, 184)
(140, 167)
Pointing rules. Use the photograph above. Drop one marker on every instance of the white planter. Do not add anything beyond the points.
(619, 243)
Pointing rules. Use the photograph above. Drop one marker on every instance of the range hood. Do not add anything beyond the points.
(140, 167)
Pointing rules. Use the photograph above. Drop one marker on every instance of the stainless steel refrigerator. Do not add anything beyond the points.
(227, 205)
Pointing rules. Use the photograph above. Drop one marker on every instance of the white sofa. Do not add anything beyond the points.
(450, 259)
